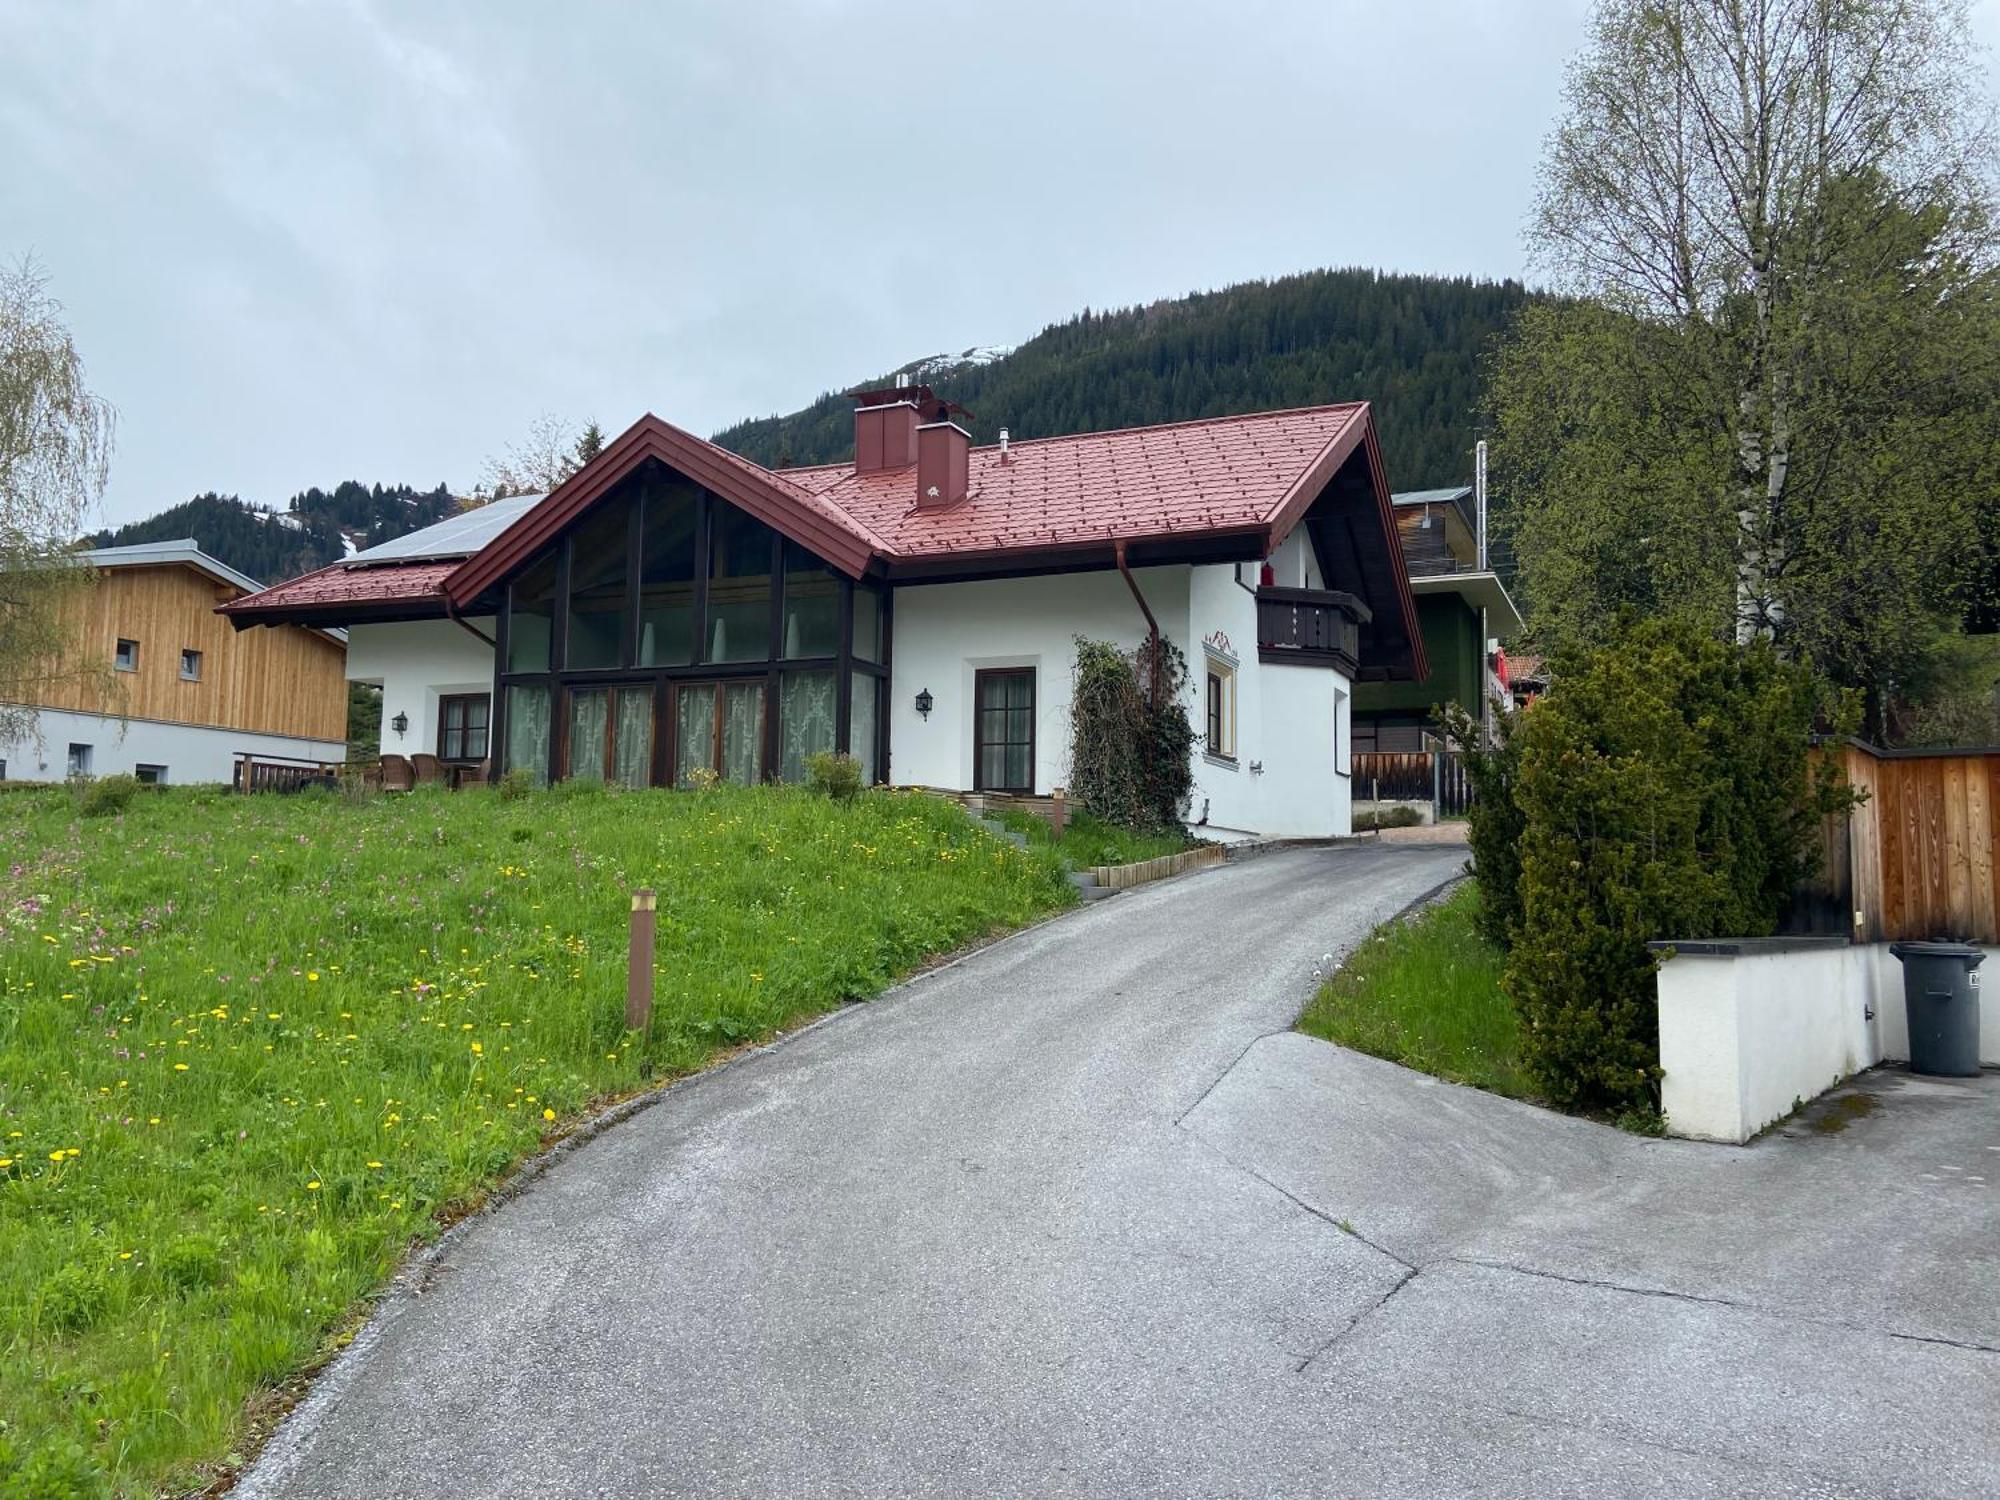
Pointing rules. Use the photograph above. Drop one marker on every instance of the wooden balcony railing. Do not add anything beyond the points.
(1309, 627)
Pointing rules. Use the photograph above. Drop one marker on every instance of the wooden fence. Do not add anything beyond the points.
(260, 773)
(1436, 776)
(1919, 858)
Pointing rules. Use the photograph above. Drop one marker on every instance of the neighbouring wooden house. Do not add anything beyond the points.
(674, 608)
(185, 697)
(1464, 613)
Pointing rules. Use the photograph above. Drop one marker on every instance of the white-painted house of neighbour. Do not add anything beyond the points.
(674, 607)
(153, 684)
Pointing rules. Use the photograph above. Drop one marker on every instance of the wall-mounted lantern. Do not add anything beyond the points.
(924, 704)
(401, 724)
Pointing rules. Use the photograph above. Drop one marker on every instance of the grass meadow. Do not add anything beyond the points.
(1089, 841)
(1425, 992)
(252, 1048)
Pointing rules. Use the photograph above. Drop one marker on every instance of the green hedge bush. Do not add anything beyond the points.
(1664, 788)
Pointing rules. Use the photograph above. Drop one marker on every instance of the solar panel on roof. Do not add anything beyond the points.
(455, 536)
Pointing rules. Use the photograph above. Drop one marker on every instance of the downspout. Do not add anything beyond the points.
(1152, 625)
(466, 625)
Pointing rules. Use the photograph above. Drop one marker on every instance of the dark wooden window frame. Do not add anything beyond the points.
(979, 741)
(665, 679)
(568, 683)
(120, 658)
(446, 703)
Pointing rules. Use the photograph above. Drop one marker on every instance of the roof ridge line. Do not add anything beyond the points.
(1096, 432)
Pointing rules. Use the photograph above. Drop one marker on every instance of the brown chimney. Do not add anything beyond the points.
(885, 428)
(944, 461)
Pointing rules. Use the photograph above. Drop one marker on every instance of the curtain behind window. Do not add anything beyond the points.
(528, 731)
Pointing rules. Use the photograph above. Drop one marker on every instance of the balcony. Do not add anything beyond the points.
(1309, 628)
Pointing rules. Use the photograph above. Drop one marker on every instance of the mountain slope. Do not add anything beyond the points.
(318, 527)
(1412, 345)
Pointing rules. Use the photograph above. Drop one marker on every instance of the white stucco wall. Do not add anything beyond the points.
(415, 662)
(190, 752)
(1745, 1038)
(1284, 780)
(946, 632)
(1289, 779)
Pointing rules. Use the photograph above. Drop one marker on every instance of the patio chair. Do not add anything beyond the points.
(472, 773)
(429, 769)
(397, 774)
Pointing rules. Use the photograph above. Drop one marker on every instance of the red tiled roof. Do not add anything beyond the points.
(338, 586)
(1218, 475)
(1221, 477)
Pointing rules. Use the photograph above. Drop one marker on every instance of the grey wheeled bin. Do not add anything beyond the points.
(1941, 995)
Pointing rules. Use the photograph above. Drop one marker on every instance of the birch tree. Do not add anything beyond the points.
(55, 446)
(1773, 220)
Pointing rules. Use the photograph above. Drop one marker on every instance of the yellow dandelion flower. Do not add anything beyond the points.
(6, 1162)
(374, 1165)
(180, 1067)
(313, 1186)
(312, 976)
(548, 1114)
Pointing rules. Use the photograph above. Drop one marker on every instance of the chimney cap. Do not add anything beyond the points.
(930, 406)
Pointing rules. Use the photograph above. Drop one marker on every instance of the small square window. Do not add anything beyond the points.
(190, 666)
(79, 760)
(151, 775)
(127, 657)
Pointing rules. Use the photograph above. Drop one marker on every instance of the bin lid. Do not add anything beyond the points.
(1939, 950)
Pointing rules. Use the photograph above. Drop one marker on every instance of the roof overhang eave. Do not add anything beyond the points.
(1482, 591)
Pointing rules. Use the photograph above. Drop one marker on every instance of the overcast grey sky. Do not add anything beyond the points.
(304, 242)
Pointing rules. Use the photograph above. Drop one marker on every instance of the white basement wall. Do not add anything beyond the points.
(415, 662)
(189, 752)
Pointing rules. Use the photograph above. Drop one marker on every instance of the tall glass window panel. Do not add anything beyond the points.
(867, 623)
(806, 720)
(599, 608)
(861, 722)
(666, 575)
(1004, 732)
(530, 617)
(528, 731)
(589, 718)
(694, 729)
(632, 745)
(812, 605)
(742, 732)
(739, 586)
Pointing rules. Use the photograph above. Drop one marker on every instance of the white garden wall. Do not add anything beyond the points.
(1751, 1028)
(415, 662)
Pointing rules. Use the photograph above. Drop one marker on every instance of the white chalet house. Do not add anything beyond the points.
(674, 606)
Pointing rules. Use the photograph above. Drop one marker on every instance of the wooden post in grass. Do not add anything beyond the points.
(639, 964)
(1058, 813)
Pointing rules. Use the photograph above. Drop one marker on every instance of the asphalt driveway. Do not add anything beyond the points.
(1078, 1216)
